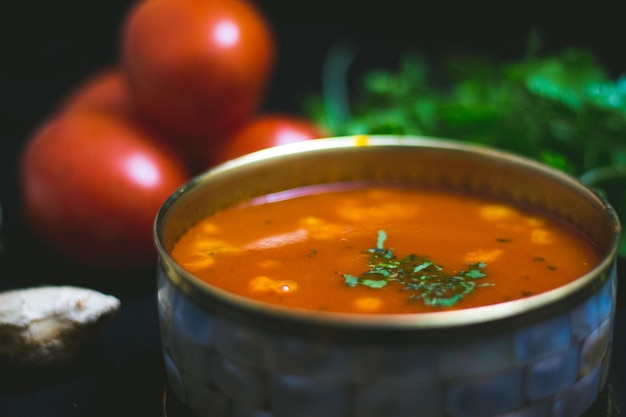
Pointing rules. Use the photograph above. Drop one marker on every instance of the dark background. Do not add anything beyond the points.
(47, 47)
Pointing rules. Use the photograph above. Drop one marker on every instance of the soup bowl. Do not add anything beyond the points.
(543, 355)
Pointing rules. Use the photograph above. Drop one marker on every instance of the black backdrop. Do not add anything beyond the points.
(47, 47)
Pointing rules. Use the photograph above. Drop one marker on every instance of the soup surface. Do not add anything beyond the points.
(383, 250)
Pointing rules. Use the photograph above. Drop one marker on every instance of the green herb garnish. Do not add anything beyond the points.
(424, 279)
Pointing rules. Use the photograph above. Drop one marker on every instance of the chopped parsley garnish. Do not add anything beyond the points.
(424, 279)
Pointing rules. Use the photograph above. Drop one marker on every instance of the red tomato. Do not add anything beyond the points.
(105, 91)
(198, 68)
(267, 131)
(92, 184)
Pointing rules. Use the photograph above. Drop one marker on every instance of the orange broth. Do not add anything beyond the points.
(305, 249)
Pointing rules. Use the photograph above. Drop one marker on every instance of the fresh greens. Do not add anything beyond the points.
(561, 108)
(425, 280)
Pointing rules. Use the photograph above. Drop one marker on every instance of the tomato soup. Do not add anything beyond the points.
(383, 250)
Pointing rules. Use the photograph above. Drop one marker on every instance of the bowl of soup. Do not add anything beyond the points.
(386, 276)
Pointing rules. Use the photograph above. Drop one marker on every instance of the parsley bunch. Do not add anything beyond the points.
(561, 109)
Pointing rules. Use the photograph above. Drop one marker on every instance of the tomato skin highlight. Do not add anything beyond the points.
(198, 69)
(91, 185)
(266, 131)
